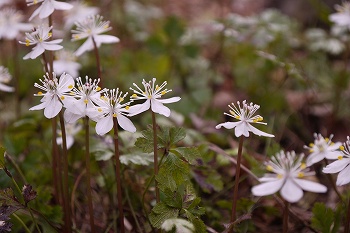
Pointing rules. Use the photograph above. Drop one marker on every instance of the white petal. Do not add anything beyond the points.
(69, 141)
(139, 108)
(126, 123)
(314, 158)
(336, 166)
(86, 46)
(35, 13)
(267, 188)
(291, 192)
(62, 5)
(258, 132)
(53, 108)
(311, 186)
(39, 106)
(169, 100)
(227, 125)
(52, 47)
(65, 81)
(344, 176)
(104, 125)
(158, 107)
(332, 154)
(46, 9)
(242, 129)
(70, 117)
(5, 88)
(107, 39)
(36, 51)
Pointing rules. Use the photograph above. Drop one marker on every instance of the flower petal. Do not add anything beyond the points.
(35, 13)
(242, 129)
(158, 107)
(257, 131)
(5, 88)
(310, 186)
(39, 106)
(71, 117)
(314, 158)
(169, 100)
(291, 192)
(53, 108)
(267, 188)
(126, 123)
(343, 176)
(36, 52)
(336, 166)
(139, 108)
(46, 9)
(227, 125)
(86, 46)
(61, 5)
(106, 39)
(104, 125)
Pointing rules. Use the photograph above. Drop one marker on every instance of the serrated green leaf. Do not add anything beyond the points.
(172, 173)
(145, 144)
(198, 223)
(7, 197)
(137, 158)
(162, 212)
(176, 134)
(191, 154)
(322, 218)
(2, 157)
(173, 199)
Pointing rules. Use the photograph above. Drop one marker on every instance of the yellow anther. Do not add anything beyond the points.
(98, 88)
(72, 92)
(157, 87)
(62, 97)
(127, 107)
(311, 150)
(163, 92)
(76, 37)
(80, 88)
(70, 86)
(237, 117)
(35, 1)
(311, 145)
(340, 157)
(49, 34)
(106, 26)
(231, 112)
(279, 176)
(134, 96)
(326, 139)
(99, 109)
(86, 101)
(303, 165)
(40, 93)
(300, 175)
(269, 168)
(114, 114)
(121, 99)
(341, 148)
(332, 143)
(27, 42)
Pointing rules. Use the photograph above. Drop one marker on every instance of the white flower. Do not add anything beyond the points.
(71, 131)
(5, 77)
(180, 225)
(11, 23)
(287, 177)
(342, 17)
(39, 38)
(47, 7)
(341, 165)
(57, 92)
(4, 2)
(245, 115)
(152, 94)
(79, 11)
(91, 28)
(87, 93)
(66, 62)
(322, 148)
(108, 107)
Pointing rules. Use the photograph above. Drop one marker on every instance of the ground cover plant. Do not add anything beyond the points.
(155, 116)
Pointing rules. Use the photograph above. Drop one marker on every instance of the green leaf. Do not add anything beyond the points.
(2, 157)
(7, 197)
(172, 173)
(191, 154)
(137, 158)
(162, 212)
(173, 199)
(145, 143)
(323, 218)
(198, 223)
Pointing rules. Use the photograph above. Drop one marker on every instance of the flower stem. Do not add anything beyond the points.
(55, 161)
(155, 153)
(285, 216)
(67, 213)
(88, 174)
(235, 191)
(16, 78)
(119, 186)
(98, 64)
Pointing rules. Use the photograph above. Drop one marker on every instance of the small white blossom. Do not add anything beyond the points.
(39, 38)
(11, 23)
(4, 2)
(5, 77)
(322, 148)
(287, 173)
(79, 11)
(341, 165)
(87, 93)
(245, 115)
(47, 7)
(71, 131)
(180, 225)
(91, 28)
(153, 95)
(57, 93)
(342, 17)
(66, 62)
(110, 106)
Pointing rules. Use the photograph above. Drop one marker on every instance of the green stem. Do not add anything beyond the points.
(23, 224)
(67, 211)
(88, 174)
(119, 185)
(347, 220)
(235, 191)
(15, 165)
(155, 153)
(36, 224)
(285, 216)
